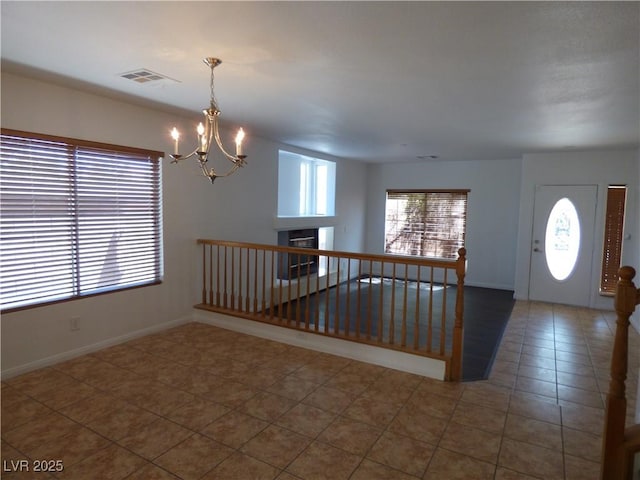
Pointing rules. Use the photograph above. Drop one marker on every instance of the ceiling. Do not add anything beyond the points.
(371, 81)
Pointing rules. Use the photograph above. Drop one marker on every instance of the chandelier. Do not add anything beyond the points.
(208, 135)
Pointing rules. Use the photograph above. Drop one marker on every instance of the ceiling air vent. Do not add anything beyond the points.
(144, 75)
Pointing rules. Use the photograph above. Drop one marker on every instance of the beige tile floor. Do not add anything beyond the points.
(200, 402)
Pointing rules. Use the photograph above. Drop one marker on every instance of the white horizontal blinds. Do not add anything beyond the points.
(425, 223)
(36, 221)
(118, 199)
(77, 219)
(613, 235)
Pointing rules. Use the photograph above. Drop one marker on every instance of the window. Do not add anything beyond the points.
(76, 218)
(306, 186)
(425, 223)
(562, 239)
(613, 234)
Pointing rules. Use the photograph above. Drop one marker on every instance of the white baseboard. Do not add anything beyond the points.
(495, 286)
(94, 347)
(426, 367)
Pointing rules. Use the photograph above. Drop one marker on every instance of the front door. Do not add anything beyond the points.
(562, 244)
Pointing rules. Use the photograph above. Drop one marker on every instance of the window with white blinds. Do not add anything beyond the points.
(425, 223)
(76, 218)
(613, 234)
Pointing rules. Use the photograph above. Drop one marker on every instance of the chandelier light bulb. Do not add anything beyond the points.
(175, 134)
(239, 138)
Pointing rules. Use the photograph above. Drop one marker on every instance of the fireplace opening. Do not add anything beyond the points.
(291, 266)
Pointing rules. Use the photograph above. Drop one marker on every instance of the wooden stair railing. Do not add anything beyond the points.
(405, 313)
(620, 445)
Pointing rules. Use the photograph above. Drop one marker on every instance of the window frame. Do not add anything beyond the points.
(453, 251)
(299, 184)
(79, 199)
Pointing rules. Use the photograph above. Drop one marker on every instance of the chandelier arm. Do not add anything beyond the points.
(232, 170)
(179, 158)
(209, 173)
(216, 134)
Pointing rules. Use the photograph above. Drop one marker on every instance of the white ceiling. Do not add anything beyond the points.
(372, 81)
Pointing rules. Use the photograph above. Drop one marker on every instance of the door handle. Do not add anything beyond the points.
(537, 250)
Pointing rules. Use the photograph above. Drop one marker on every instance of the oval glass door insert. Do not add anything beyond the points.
(562, 239)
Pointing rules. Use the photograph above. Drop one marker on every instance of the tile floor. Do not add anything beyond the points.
(200, 402)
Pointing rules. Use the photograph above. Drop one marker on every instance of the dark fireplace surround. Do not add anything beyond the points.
(292, 266)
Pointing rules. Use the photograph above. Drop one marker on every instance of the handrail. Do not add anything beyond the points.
(394, 302)
(618, 444)
(423, 261)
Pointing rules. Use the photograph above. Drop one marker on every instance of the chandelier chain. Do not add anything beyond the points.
(214, 101)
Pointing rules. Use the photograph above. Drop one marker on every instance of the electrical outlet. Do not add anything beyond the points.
(74, 324)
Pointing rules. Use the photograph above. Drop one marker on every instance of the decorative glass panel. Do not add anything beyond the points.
(562, 239)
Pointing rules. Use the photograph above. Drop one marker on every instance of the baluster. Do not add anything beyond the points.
(307, 305)
(272, 307)
(299, 273)
(347, 314)
(264, 281)
(381, 305)
(225, 294)
(210, 274)
(336, 325)
(217, 275)
(416, 325)
(392, 318)
(443, 319)
(280, 289)
(369, 300)
(327, 313)
(255, 281)
(430, 313)
(247, 284)
(240, 282)
(316, 325)
(233, 278)
(615, 462)
(358, 299)
(204, 273)
(405, 305)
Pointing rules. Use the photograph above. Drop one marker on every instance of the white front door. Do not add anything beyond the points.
(562, 243)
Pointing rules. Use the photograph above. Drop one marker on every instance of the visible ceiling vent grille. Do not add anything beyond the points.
(144, 75)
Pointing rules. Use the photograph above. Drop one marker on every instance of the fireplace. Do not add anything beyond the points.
(292, 266)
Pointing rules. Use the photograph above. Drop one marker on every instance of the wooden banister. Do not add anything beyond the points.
(617, 444)
(359, 297)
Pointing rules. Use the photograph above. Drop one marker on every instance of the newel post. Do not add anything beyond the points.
(613, 455)
(458, 328)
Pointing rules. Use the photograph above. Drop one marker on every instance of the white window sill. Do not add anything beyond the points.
(290, 223)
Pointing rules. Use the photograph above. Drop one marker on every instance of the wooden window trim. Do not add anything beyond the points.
(63, 201)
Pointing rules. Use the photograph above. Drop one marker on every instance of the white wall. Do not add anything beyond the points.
(240, 208)
(243, 208)
(579, 168)
(636, 316)
(492, 215)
